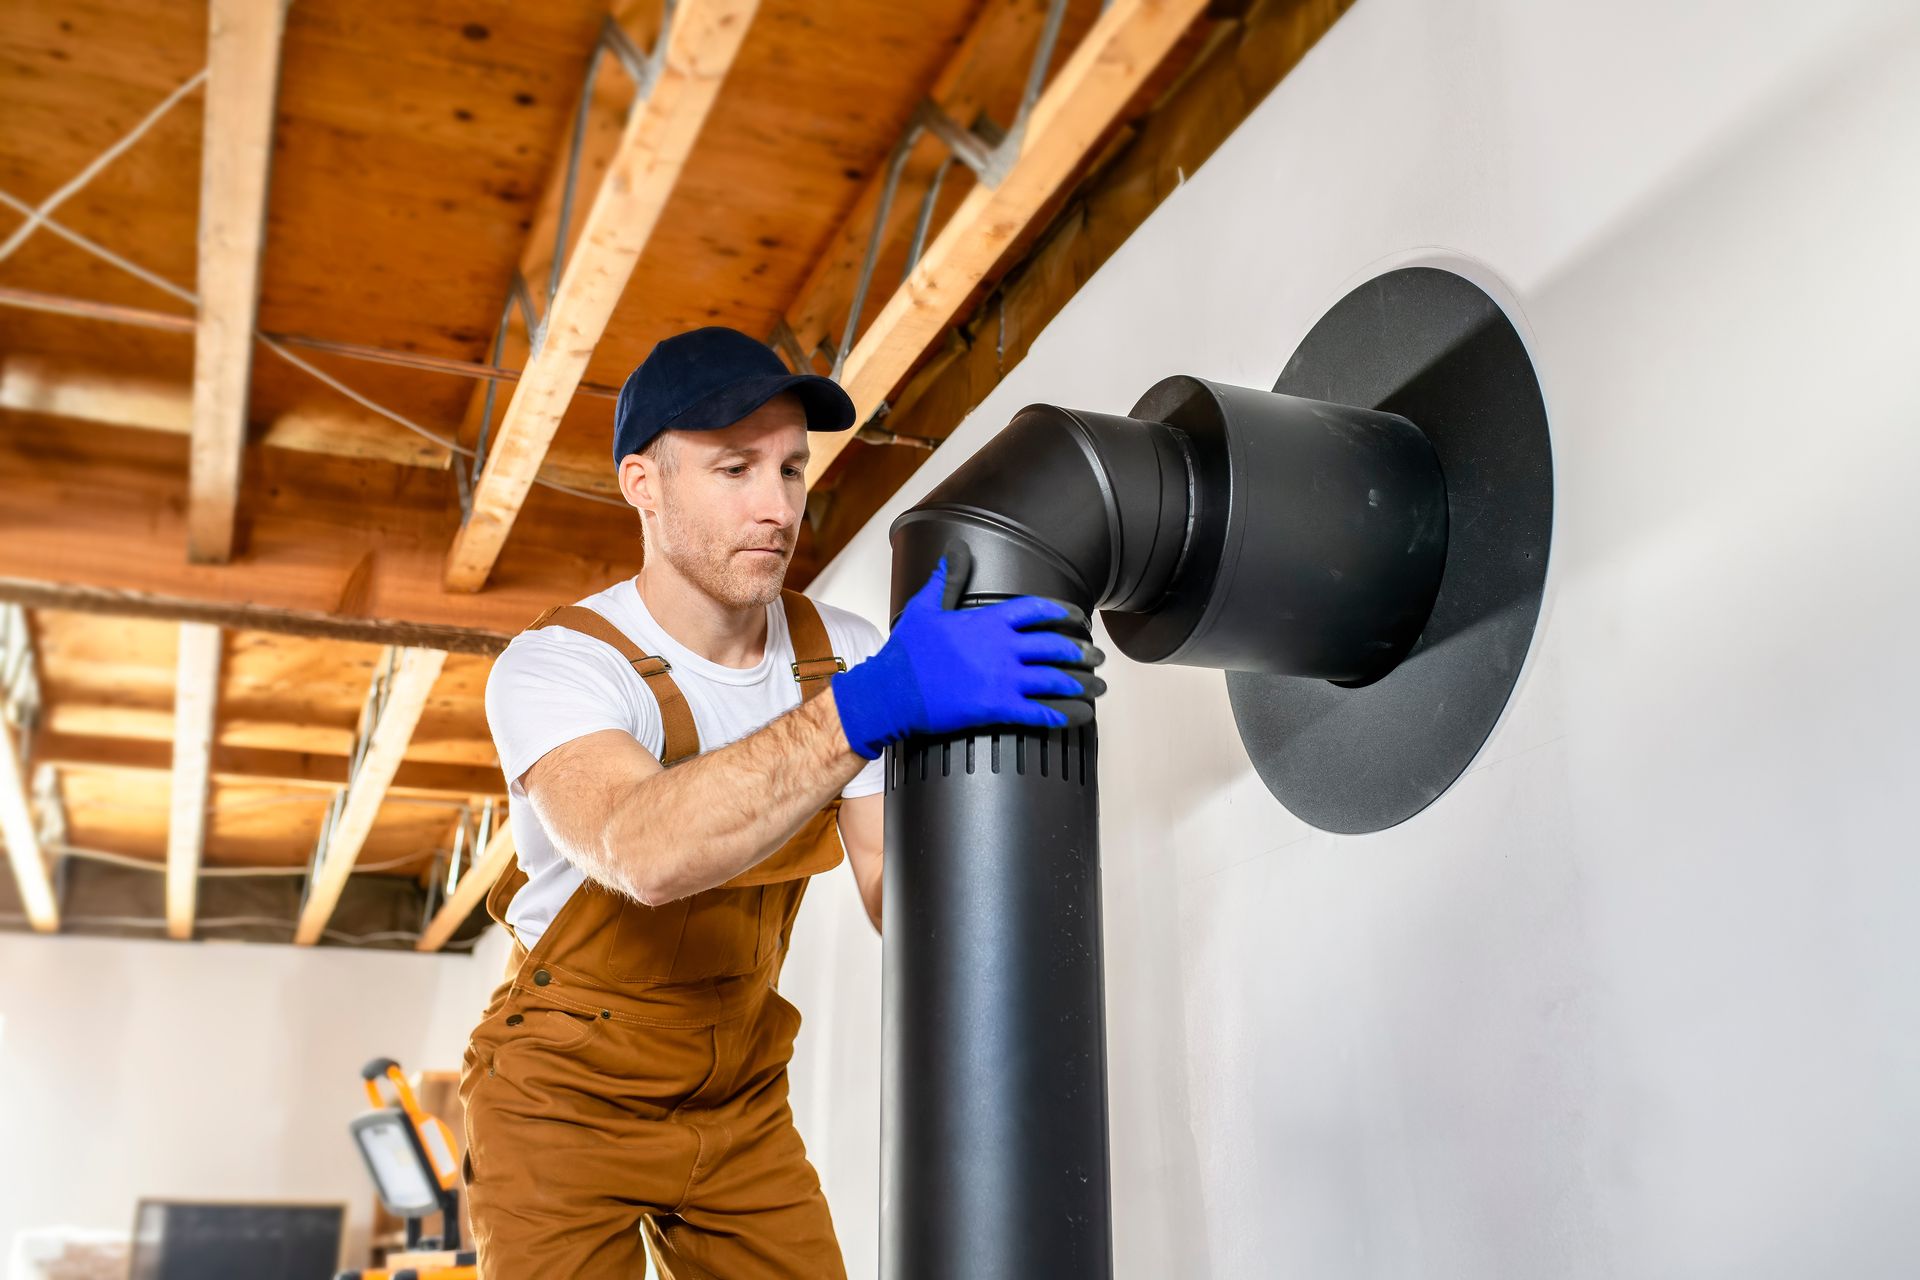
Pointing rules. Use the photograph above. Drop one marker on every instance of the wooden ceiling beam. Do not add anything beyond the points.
(1075, 112)
(256, 766)
(17, 828)
(652, 151)
(20, 675)
(606, 111)
(990, 61)
(395, 713)
(195, 703)
(471, 888)
(242, 616)
(243, 73)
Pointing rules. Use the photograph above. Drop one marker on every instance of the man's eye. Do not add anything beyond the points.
(793, 472)
(738, 470)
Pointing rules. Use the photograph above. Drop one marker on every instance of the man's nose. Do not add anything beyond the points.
(774, 503)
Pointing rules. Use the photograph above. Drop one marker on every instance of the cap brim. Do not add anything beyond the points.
(827, 406)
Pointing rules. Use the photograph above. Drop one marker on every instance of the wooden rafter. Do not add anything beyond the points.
(413, 674)
(18, 830)
(472, 887)
(243, 71)
(600, 118)
(647, 162)
(243, 616)
(988, 61)
(1079, 106)
(196, 700)
(1241, 61)
(23, 840)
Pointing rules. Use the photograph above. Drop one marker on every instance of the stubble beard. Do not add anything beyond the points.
(709, 560)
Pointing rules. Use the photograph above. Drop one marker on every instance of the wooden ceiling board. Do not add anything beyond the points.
(413, 142)
(121, 662)
(117, 812)
(271, 679)
(75, 78)
(408, 140)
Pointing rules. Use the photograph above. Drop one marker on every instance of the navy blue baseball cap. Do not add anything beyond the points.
(713, 377)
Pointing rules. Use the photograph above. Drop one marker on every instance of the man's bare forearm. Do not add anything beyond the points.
(701, 823)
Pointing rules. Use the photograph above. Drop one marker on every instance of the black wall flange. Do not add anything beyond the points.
(1214, 526)
(1365, 564)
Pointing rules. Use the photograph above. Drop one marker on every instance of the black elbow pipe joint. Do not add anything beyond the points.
(1214, 526)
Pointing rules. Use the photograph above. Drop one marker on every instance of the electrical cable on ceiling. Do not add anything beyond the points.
(100, 251)
(39, 216)
(452, 446)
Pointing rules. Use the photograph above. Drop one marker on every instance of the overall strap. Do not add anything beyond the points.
(682, 738)
(814, 659)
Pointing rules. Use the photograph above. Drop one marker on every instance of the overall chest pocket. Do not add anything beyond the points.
(715, 934)
(728, 930)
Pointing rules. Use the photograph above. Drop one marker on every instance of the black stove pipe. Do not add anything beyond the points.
(1217, 527)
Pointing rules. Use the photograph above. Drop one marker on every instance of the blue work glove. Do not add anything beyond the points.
(945, 669)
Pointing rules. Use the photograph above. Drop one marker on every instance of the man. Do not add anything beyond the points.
(683, 751)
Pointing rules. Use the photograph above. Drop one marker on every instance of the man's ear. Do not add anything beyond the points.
(640, 482)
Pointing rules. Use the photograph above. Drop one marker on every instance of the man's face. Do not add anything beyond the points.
(723, 507)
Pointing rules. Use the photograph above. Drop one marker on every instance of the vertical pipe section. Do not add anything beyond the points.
(996, 1157)
(994, 1137)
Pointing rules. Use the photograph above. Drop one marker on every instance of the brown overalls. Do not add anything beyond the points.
(630, 1074)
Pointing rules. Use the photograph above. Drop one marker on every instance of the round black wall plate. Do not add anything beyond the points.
(1431, 346)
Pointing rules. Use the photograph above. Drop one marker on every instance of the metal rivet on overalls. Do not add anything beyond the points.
(541, 977)
(606, 1013)
(515, 1019)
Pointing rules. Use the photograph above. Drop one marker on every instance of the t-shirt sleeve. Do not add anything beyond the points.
(549, 688)
(862, 641)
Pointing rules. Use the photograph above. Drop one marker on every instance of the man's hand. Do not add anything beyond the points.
(945, 669)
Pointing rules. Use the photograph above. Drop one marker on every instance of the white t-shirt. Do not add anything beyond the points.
(551, 686)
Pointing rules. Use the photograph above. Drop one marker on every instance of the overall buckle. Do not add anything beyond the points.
(839, 665)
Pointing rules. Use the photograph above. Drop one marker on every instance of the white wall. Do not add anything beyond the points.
(227, 1071)
(1641, 995)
